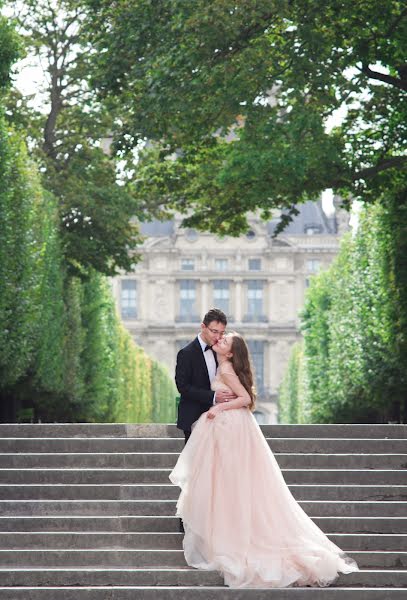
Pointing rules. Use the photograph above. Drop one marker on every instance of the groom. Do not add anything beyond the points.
(195, 370)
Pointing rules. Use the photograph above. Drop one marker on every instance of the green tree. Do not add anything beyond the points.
(74, 383)
(48, 363)
(19, 194)
(292, 394)
(354, 324)
(97, 209)
(61, 351)
(184, 74)
(97, 356)
(10, 49)
(316, 330)
(164, 393)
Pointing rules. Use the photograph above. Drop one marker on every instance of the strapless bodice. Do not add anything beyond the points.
(219, 384)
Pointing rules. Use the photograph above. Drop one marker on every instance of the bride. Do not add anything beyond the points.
(239, 516)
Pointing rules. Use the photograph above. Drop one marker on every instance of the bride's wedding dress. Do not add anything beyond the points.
(239, 516)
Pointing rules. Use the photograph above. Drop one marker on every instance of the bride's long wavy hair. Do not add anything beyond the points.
(242, 365)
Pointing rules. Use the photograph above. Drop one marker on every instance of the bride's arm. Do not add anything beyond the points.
(232, 380)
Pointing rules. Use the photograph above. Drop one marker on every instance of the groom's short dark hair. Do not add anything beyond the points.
(215, 314)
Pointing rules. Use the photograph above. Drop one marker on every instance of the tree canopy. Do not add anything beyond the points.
(9, 49)
(65, 132)
(269, 74)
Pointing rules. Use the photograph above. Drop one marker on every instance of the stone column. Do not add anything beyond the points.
(162, 300)
(238, 304)
(268, 300)
(273, 288)
(292, 307)
(203, 292)
(143, 299)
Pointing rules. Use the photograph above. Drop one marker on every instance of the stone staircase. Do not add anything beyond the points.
(86, 511)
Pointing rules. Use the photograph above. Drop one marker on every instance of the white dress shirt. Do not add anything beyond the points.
(210, 363)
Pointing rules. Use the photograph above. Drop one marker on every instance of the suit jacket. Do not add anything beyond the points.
(192, 380)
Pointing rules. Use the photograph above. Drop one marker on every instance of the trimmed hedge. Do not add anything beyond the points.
(64, 353)
(355, 329)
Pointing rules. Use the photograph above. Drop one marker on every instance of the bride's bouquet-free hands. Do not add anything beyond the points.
(214, 410)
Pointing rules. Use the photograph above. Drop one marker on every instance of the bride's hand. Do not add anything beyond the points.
(213, 411)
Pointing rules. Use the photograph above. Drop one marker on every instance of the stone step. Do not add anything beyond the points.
(170, 524)
(131, 460)
(141, 491)
(325, 445)
(331, 508)
(164, 577)
(197, 593)
(157, 558)
(88, 511)
(169, 430)
(126, 476)
(165, 541)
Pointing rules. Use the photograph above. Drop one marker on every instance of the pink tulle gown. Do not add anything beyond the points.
(239, 516)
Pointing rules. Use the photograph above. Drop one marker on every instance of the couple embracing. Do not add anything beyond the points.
(238, 514)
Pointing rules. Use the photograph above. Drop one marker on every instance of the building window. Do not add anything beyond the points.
(187, 299)
(256, 349)
(313, 265)
(187, 264)
(254, 264)
(254, 300)
(250, 235)
(312, 228)
(221, 295)
(128, 300)
(221, 264)
(191, 235)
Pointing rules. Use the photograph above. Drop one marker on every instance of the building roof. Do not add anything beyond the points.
(157, 228)
(311, 217)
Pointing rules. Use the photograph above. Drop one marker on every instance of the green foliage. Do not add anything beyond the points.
(97, 226)
(64, 353)
(18, 261)
(74, 384)
(181, 74)
(163, 395)
(292, 391)
(354, 325)
(50, 335)
(147, 393)
(97, 210)
(98, 358)
(10, 49)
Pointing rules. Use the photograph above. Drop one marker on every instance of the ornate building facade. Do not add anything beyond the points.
(257, 280)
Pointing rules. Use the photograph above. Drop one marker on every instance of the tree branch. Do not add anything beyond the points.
(400, 83)
(244, 37)
(395, 23)
(397, 162)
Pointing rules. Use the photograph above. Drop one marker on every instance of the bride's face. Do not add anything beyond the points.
(224, 346)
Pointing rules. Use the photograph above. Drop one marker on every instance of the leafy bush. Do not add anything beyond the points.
(355, 328)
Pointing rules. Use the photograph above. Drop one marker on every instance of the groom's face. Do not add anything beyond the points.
(213, 332)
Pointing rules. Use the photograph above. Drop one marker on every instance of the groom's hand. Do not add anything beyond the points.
(223, 396)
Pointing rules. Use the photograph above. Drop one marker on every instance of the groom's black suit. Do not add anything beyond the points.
(192, 379)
